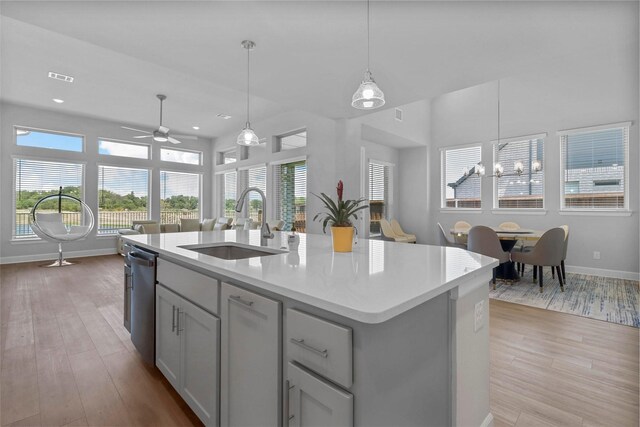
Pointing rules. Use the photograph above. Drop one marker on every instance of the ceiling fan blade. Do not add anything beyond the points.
(173, 140)
(188, 137)
(143, 136)
(135, 130)
(163, 129)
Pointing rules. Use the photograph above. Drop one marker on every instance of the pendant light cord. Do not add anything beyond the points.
(498, 113)
(161, 112)
(368, 38)
(248, 72)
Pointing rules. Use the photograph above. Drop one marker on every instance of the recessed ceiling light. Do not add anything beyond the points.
(223, 116)
(58, 101)
(61, 77)
(196, 128)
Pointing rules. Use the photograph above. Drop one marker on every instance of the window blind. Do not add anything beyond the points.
(379, 176)
(35, 179)
(594, 168)
(525, 190)
(123, 197)
(230, 186)
(257, 177)
(179, 196)
(460, 186)
(290, 184)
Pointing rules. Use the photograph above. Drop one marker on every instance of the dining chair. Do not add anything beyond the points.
(398, 231)
(444, 241)
(547, 252)
(461, 228)
(484, 240)
(564, 251)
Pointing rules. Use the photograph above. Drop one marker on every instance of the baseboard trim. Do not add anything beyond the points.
(603, 272)
(54, 255)
(488, 421)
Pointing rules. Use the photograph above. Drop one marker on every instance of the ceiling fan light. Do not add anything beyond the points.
(248, 137)
(368, 96)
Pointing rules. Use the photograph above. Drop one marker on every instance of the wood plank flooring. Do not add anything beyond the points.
(67, 359)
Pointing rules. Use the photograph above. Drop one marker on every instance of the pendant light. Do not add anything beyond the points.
(248, 137)
(368, 96)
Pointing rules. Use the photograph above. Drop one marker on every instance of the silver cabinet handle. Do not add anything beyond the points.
(287, 403)
(238, 299)
(173, 318)
(322, 353)
(179, 329)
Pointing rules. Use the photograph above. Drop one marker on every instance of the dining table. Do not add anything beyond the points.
(508, 239)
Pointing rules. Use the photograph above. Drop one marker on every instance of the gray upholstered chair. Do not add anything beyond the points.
(547, 252)
(442, 236)
(564, 252)
(484, 240)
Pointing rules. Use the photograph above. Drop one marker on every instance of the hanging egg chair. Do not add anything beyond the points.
(61, 218)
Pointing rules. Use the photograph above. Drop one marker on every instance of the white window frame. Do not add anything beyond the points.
(166, 147)
(278, 140)
(270, 184)
(443, 178)
(120, 141)
(35, 238)
(55, 132)
(496, 202)
(389, 191)
(116, 165)
(624, 211)
(220, 188)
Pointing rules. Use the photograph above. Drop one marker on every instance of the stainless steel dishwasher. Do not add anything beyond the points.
(143, 302)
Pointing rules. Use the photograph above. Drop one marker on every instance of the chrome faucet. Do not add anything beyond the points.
(265, 231)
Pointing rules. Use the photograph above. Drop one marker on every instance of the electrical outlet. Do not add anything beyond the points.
(596, 255)
(478, 316)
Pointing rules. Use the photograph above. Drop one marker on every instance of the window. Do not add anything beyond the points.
(522, 184)
(594, 167)
(379, 190)
(292, 141)
(179, 196)
(180, 156)
(257, 178)
(230, 156)
(460, 184)
(123, 196)
(123, 149)
(230, 185)
(35, 179)
(290, 184)
(51, 140)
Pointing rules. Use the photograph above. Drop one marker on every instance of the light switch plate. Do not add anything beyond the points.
(478, 316)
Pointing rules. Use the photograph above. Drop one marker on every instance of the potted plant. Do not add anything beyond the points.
(338, 216)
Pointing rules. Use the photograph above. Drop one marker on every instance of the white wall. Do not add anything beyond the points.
(92, 129)
(582, 92)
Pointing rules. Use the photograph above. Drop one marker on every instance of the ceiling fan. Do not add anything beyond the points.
(162, 133)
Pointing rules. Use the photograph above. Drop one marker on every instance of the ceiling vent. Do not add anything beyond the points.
(61, 77)
(223, 116)
(398, 114)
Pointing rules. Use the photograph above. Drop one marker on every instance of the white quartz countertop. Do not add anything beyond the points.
(376, 282)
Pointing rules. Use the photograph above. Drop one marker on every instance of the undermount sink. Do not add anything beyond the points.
(232, 251)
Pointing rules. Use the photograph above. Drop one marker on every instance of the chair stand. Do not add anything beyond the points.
(560, 278)
(540, 273)
(60, 262)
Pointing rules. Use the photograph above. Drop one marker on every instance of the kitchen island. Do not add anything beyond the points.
(390, 334)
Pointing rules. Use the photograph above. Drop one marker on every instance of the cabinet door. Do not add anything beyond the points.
(250, 359)
(316, 403)
(167, 339)
(199, 335)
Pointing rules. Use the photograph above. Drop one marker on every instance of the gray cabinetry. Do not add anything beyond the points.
(250, 359)
(313, 401)
(187, 351)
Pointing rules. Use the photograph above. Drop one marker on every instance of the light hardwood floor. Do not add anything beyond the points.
(67, 359)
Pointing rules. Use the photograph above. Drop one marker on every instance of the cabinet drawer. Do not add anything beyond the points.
(198, 288)
(310, 401)
(322, 346)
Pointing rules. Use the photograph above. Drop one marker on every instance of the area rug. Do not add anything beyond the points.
(602, 298)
